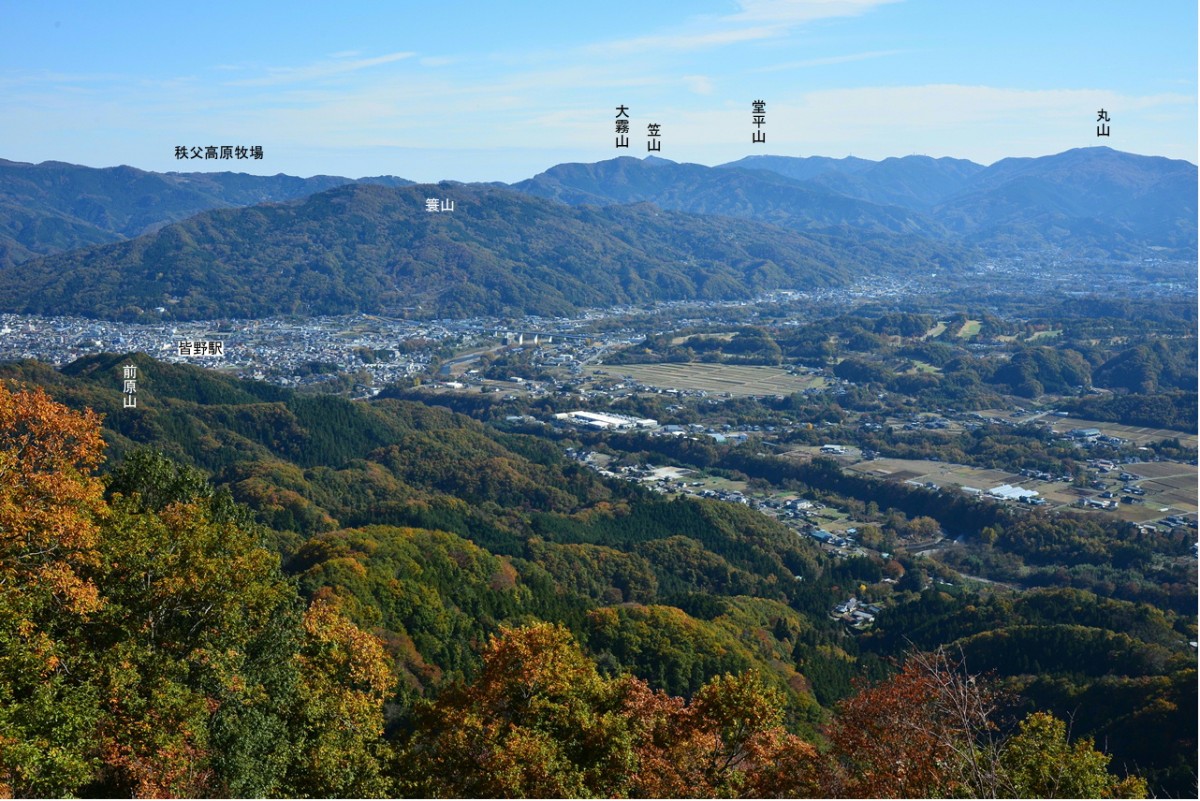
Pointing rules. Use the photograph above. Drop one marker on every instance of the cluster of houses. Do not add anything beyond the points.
(793, 512)
(1089, 437)
(857, 614)
(827, 538)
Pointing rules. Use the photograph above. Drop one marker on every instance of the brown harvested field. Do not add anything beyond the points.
(1162, 470)
(1168, 484)
(1136, 434)
(1059, 493)
(1175, 489)
(1139, 435)
(1185, 483)
(943, 474)
(1159, 494)
(736, 379)
(1128, 513)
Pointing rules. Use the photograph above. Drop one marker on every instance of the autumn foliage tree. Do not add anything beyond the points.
(345, 678)
(905, 738)
(150, 646)
(1040, 762)
(190, 604)
(931, 731)
(49, 509)
(728, 742)
(541, 721)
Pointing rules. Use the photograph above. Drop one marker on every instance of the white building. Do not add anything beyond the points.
(1010, 493)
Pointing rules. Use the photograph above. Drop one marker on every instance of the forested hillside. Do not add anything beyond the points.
(1092, 200)
(51, 207)
(495, 618)
(371, 249)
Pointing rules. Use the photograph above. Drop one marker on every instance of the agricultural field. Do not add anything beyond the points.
(935, 331)
(1168, 484)
(943, 474)
(723, 337)
(735, 379)
(1139, 435)
(1170, 487)
(970, 329)
(1135, 434)
(806, 452)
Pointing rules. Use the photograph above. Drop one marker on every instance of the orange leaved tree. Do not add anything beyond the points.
(541, 721)
(49, 507)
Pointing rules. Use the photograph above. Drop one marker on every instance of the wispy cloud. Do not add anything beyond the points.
(755, 20)
(319, 70)
(46, 77)
(828, 60)
(689, 40)
(698, 84)
(935, 104)
(793, 11)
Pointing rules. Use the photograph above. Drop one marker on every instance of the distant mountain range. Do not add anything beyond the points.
(50, 207)
(1093, 201)
(121, 242)
(911, 182)
(766, 196)
(376, 249)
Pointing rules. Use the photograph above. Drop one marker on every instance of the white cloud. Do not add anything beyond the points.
(321, 69)
(684, 40)
(699, 84)
(821, 62)
(793, 11)
(755, 20)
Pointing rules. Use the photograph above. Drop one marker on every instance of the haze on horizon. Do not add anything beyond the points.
(499, 92)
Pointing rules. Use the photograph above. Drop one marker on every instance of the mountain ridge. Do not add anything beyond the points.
(618, 231)
(40, 203)
(369, 248)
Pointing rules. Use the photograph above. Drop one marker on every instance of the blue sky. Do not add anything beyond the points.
(481, 91)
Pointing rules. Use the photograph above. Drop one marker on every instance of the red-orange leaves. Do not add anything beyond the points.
(541, 721)
(924, 732)
(729, 742)
(48, 499)
(49, 504)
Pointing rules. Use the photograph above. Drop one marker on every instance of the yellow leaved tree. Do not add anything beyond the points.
(50, 504)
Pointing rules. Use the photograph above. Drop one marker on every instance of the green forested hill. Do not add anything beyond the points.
(1116, 667)
(1092, 200)
(372, 249)
(757, 194)
(53, 206)
(363, 495)
(432, 532)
